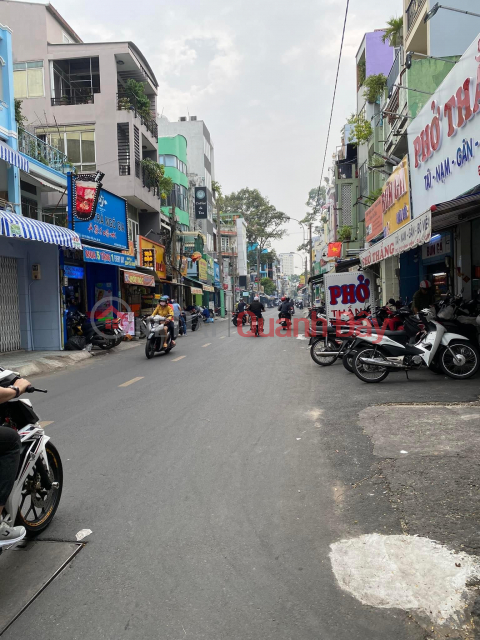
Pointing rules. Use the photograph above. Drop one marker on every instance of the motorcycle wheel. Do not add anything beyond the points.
(347, 361)
(316, 353)
(369, 372)
(469, 357)
(150, 348)
(41, 500)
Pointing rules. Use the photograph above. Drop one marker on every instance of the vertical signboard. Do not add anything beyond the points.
(201, 210)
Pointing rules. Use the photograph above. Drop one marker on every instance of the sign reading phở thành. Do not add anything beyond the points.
(347, 293)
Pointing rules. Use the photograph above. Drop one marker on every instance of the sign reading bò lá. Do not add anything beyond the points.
(202, 269)
(159, 252)
(374, 220)
(396, 199)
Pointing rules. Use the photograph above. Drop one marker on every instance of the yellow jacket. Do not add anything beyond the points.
(165, 312)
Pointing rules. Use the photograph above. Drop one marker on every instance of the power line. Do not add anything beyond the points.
(333, 104)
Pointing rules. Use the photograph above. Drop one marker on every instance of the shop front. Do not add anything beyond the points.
(443, 144)
(152, 260)
(138, 291)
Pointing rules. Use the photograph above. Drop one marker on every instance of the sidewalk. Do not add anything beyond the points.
(30, 363)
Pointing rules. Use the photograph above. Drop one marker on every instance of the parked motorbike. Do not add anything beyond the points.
(156, 338)
(103, 334)
(36, 493)
(235, 317)
(425, 341)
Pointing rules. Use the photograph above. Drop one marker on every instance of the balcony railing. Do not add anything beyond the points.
(7, 206)
(412, 12)
(76, 98)
(39, 150)
(345, 171)
(128, 102)
(146, 180)
(395, 71)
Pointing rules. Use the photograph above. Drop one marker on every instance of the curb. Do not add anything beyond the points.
(55, 363)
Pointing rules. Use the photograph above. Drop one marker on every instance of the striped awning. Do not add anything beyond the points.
(16, 226)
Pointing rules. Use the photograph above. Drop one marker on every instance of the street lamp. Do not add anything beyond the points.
(429, 15)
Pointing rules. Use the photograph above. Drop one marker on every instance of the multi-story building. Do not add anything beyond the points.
(287, 263)
(201, 166)
(172, 153)
(75, 98)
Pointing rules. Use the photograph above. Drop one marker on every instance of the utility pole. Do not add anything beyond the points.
(220, 262)
(306, 276)
(174, 238)
(310, 251)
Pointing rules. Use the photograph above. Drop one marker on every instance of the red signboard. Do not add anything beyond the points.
(374, 220)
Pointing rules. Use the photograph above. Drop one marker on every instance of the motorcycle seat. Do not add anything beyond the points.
(398, 336)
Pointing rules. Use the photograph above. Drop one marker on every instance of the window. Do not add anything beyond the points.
(208, 180)
(173, 161)
(76, 141)
(207, 149)
(28, 79)
(66, 39)
(179, 195)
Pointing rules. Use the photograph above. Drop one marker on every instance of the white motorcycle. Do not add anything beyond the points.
(36, 493)
(156, 338)
(424, 342)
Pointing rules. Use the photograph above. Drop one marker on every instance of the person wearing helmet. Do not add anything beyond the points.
(166, 311)
(256, 308)
(422, 298)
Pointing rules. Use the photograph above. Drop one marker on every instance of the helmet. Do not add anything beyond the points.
(256, 298)
(425, 284)
(164, 299)
(283, 298)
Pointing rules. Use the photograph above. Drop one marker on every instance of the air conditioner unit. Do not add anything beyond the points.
(183, 119)
(193, 118)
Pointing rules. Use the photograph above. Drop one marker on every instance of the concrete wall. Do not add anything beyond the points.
(451, 33)
(39, 300)
(379, 55)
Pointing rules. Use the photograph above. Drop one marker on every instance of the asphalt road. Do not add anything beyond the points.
(214, 485)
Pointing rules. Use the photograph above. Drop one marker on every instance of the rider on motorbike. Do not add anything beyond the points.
(256, 308)
(165, 311)
(9, 459)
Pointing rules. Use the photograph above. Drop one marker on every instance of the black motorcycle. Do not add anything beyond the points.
(103, 334)
(235, 316)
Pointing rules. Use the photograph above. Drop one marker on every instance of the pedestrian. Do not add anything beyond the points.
(422, 298)
(179, 315)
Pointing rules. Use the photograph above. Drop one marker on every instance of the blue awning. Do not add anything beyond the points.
(13, 157)
(16, 226)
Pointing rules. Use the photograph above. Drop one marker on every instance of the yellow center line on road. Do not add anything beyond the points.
(206, 345)
(132, 381)
(179, 358)
(45, 423)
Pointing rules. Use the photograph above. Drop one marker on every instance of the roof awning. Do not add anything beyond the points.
(55, 187)
(345, 265)
(316, 279)
(16, 226)
(452, 212)
(13, 157)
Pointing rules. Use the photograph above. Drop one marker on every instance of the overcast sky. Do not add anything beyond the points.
(260, 73)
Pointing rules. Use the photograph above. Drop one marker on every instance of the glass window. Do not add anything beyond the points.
(76, 141)
(28, 79)
(208, 180)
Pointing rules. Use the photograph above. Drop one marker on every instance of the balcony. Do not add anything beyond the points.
(127, 102)
(147, 182)
(82, 98)
(412, 12)
(395, 71)
(32, 146)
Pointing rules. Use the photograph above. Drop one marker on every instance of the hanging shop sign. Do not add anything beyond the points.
(85, 191)
(202, 269)
(210, 263)
(142, 279)
(374, 220)
(201, 207)
(159, 256)
(414, 233)
(216, 274)
(72, 272)
(148, 258)
(109, 224)
(183, 266)
(103, 256)
(13, 157)
(443, 139)
(396, 199)
(347, 292)
(196, 291)
(207, 287)
(439, 246)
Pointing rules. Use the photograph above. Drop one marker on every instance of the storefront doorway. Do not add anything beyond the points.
(9, 305)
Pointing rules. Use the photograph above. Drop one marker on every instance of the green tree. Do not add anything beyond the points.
(268, 286)
(264, 222)
(135, 92)
(394, 32)
(316, 199)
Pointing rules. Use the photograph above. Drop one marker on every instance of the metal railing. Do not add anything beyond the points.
(345, 171)
(412, 12)
(75, 98)
(7, 206)
(39, 150)
(127, 102)
(147, 182)
(394, 71)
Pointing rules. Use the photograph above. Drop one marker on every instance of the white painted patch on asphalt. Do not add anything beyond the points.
(45, 423)
(179, 358)
(83, 533)
(472, 416)
(206, 345)
(406, 572)
(302, 338)
(132, 381)
(403, 451)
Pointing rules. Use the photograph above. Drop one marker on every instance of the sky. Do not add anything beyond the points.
(260, 73)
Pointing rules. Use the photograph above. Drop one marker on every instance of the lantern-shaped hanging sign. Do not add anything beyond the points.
(86, 189)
